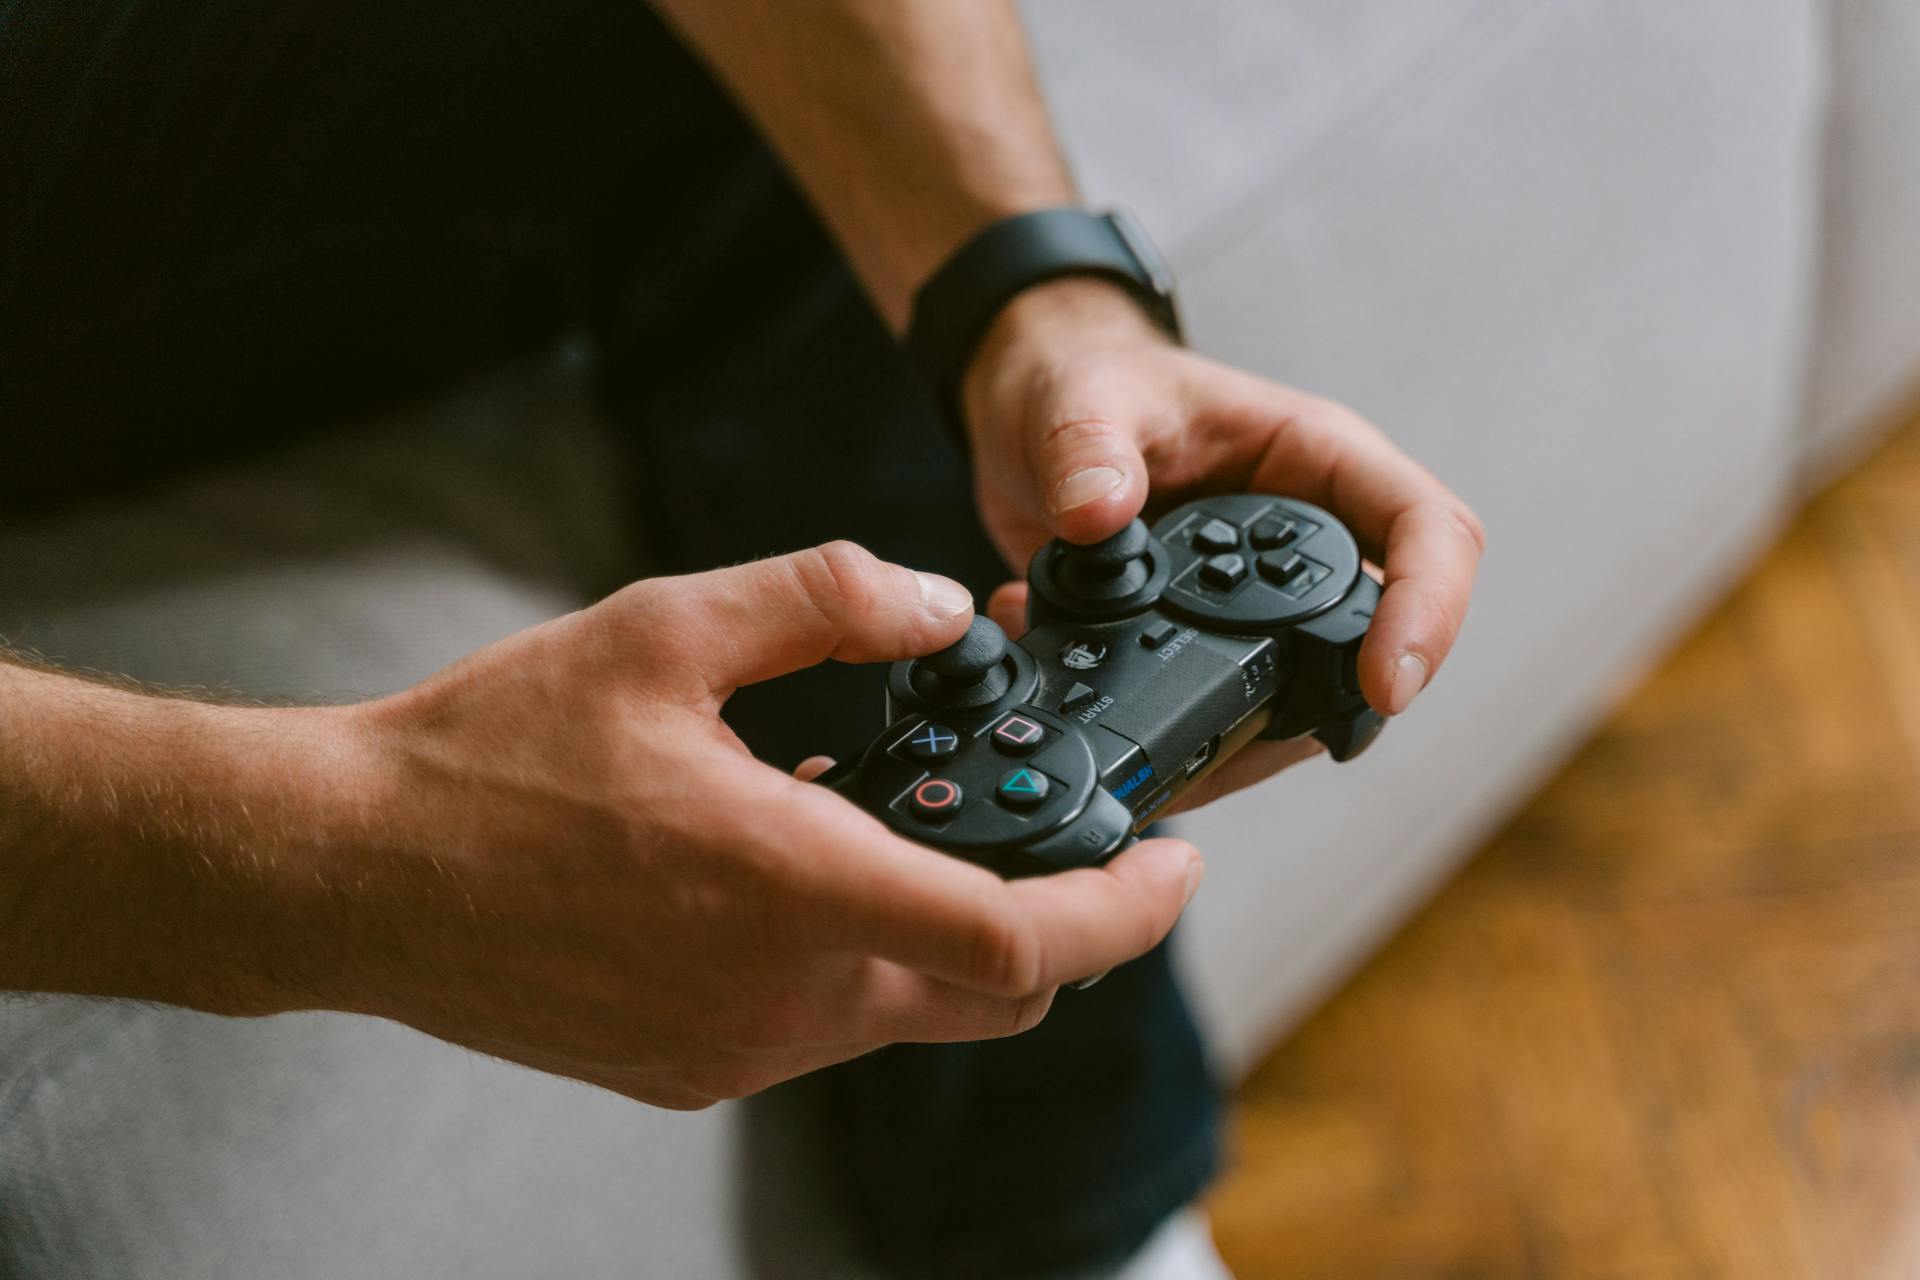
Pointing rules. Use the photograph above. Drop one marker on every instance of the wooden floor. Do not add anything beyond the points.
(1668, 1023)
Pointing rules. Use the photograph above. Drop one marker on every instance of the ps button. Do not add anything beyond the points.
(1223, 573)
(932, 742)
(935, 798)
(1158, 634)
(1077, 697)
(1270, 534)
(1083, 654)
(1017, 736)
(1214, 536)
(1023, 788)
(1280, 568)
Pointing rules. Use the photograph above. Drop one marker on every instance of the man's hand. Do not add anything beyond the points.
(554, 851)
(1078, 408)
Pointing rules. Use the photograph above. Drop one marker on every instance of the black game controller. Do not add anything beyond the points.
(1149, 659)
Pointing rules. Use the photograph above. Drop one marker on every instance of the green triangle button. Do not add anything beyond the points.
(1023, 789)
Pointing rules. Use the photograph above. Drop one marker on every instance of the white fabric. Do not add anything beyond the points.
(1868, 356)
(1564, 253)
(142, 1143)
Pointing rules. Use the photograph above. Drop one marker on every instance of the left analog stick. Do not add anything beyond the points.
(970, 672)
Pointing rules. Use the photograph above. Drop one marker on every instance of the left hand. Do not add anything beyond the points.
(1079, 408)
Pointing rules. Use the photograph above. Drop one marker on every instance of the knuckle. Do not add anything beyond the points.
(1339, 417)
(649, 605)
(661, 618)
(840, 578)
(1152, 924)
(1076, 435)
(1457, 517)
(1470, 524)
(1007, 956)
(1026, 1014)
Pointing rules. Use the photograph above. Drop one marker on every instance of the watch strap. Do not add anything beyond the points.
(954, 308)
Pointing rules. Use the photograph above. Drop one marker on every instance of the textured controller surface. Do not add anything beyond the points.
(1149, 658)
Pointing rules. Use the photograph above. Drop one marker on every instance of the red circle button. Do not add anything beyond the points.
(936, 798)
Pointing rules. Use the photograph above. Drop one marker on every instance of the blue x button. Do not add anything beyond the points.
(932, 742)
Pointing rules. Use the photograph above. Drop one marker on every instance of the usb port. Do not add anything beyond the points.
(1198, 760)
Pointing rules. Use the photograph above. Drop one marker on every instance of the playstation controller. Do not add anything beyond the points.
(1149, 659)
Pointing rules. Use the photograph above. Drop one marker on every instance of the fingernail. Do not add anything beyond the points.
(1409, 678)
(1085, 486)
(944, 597)
(1196, 871)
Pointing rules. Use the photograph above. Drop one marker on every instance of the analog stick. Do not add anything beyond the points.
(1108, 569)
(970, 672)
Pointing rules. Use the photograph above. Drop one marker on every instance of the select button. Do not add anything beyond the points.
(1158, 634)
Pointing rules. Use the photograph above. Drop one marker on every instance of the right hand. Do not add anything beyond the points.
(580, 868)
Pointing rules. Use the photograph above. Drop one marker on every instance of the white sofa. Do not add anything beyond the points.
(1626, 273)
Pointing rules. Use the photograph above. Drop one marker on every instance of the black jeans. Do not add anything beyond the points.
(222, 214)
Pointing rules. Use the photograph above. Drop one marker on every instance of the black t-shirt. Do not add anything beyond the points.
(225, 224)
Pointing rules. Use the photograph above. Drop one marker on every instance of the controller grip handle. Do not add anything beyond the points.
(1348, 735)
(840, 777)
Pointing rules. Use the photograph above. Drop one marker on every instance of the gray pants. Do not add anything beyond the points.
(155, 1142)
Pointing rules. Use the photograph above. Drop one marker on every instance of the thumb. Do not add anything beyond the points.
(1091, 476)
(756, 621)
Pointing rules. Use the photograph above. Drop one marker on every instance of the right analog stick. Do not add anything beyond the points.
(1110, 568)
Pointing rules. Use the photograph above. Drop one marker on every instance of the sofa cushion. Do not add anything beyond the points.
(1185, 110)
(1868, 350)
(1563, 253)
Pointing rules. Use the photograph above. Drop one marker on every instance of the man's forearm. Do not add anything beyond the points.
(910, 125)
(148, 845)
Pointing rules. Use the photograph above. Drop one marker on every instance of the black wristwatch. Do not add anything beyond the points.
(954, 308)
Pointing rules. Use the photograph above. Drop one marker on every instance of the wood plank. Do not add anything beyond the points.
(1668, 1022)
